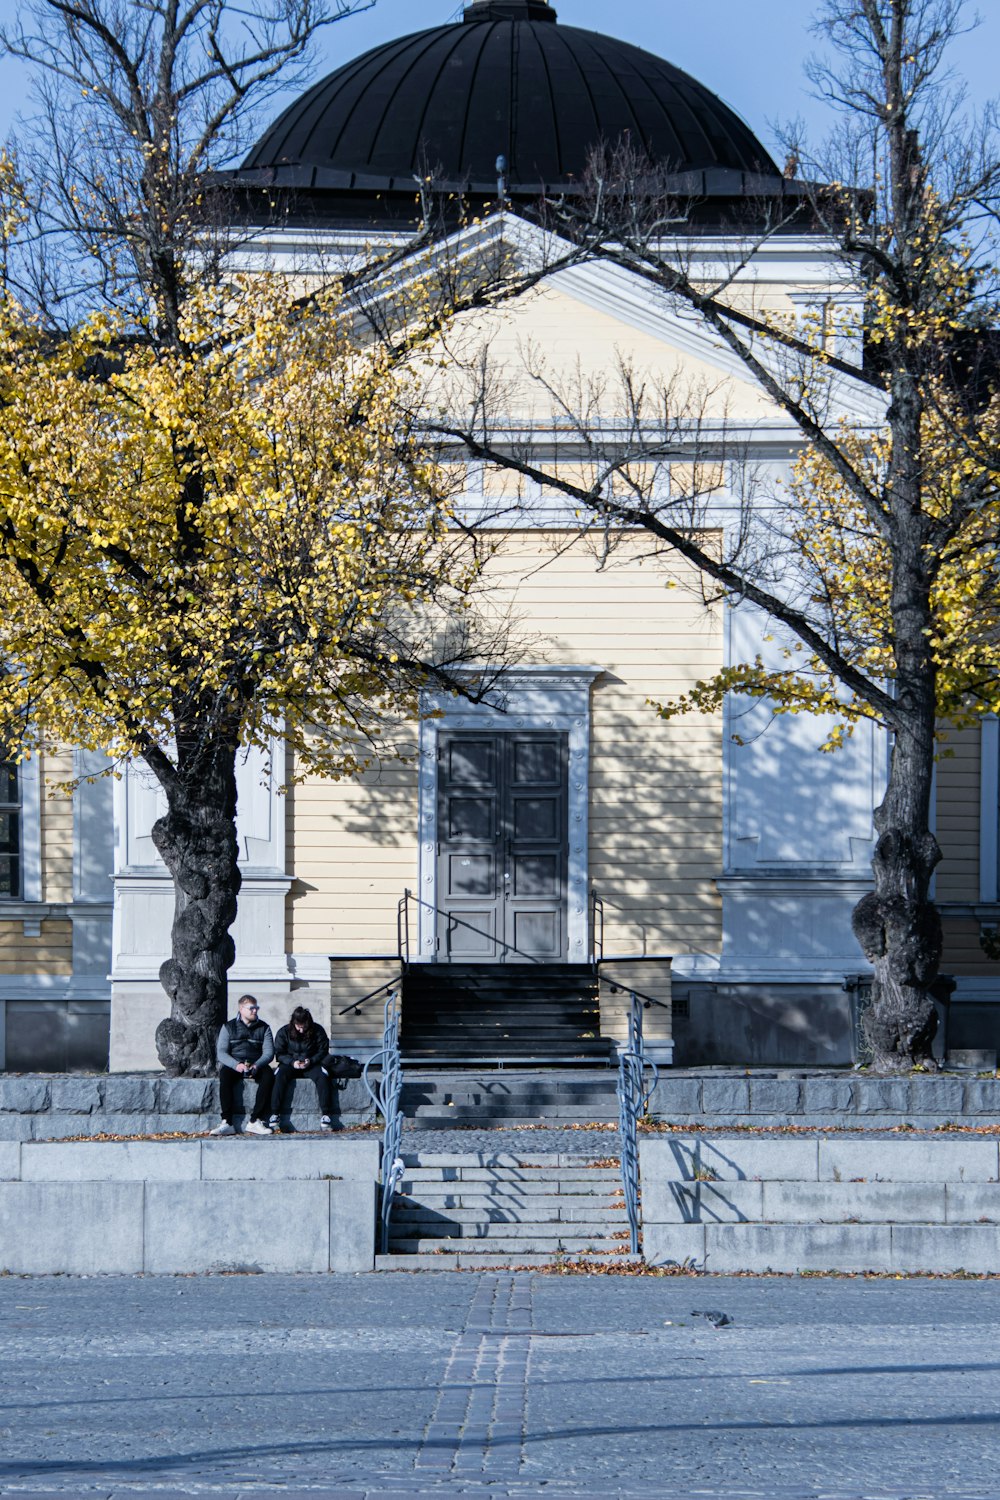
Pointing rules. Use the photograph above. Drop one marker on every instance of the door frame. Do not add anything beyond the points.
(530, 698)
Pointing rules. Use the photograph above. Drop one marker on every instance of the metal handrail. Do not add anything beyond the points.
(633, 1102)
(616, 987)
(386, 1101)
(403, 930)
(596, 927)
(441, 912)
(356, 1005)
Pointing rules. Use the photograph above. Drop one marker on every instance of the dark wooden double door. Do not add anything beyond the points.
(503, 811)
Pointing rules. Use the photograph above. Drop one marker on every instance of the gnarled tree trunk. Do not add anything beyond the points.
(898, 927)
(197, 841)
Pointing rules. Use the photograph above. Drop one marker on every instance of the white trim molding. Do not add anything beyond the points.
(532, 698)
(989, 807)
(30, 788)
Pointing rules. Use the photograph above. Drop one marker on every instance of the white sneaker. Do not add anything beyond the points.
(273, 1122)
(223, 1128)
(256, 1127)
(326, 1123)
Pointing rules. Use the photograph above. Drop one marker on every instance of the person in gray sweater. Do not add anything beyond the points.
(302, 1049)
(245, 1049)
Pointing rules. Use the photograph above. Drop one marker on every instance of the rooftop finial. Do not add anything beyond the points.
(509, 10)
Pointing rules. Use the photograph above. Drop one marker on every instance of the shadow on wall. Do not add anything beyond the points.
(57, 1036)
(788, 1026)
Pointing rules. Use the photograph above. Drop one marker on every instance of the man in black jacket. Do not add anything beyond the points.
(245, 1049)
(302, 1047)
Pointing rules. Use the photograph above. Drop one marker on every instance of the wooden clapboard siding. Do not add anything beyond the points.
(958, 874)
(958, 816)
(580, 346)
(655, 787)
(963, 953)
(51, 953)
(57, 827)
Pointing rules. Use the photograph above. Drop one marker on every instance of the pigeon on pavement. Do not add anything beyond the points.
(717, 1319)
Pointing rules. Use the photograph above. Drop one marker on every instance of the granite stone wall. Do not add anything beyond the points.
(37, 1107)
(840, 1100)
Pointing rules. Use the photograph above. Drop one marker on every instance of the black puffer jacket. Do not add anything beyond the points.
(240, 1043)
(291, 1046)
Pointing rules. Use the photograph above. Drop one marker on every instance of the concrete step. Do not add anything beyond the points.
(595, 1106)
(539, 1243)
(418, 1179)
(438, 1094)
(453, 1119)
(537, 1014)
(507, 1056)
(568, 1206)
(503, 1160)
(476, 1221)
(464, 1260)
(515, 1205)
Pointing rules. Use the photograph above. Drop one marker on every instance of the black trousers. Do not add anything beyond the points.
(287, 1077)
(229, 1078)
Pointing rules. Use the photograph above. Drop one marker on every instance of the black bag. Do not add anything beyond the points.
(338, 1066)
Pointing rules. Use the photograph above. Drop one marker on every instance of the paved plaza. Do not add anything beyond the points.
(499, 1384)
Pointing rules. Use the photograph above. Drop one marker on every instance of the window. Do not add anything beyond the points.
(10, 831)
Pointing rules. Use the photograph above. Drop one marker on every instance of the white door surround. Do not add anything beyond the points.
(529, 698)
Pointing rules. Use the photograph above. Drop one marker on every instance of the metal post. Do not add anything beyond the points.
(386, 1100)
(633, 1101)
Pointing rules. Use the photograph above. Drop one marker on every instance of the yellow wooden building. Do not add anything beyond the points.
(563, 830)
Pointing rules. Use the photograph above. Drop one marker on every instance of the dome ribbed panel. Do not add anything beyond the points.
(542, 95)
(488, 105)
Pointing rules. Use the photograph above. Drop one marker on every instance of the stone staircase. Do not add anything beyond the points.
(522, 1096)
(477, 1209)
(502, 1013)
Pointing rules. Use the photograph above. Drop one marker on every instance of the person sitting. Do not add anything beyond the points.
(302, 1048)
(244, 1050)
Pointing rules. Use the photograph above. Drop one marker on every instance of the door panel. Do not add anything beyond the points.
(471, 934)
(536, 818)
(472, 875)
(538, 933)
(535, 875)
(502, 821)
(471, 818)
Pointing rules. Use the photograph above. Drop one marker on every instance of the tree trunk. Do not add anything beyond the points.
(897, 926)
(197, 841)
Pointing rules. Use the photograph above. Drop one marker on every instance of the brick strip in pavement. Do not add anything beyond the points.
(477, 1428)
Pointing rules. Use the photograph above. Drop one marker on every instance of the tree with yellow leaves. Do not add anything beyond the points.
(208, 545)
(879, 564)
(218, 523)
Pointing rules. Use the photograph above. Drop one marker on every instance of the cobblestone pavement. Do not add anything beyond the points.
(498, 1384)
(589, 1142)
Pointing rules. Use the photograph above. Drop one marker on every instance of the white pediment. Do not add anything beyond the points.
(626, 316)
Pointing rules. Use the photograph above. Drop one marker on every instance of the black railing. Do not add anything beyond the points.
(403, 929)
(355, 1005)
(633, 1102)
(386, 1100)
(617, 988)
(596, 928)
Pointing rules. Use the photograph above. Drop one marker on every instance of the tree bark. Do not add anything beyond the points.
(898, 927)
(197, 841)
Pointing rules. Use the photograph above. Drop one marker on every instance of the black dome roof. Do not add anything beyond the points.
(505, 81)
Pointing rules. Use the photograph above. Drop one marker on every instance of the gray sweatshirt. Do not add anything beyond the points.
(225, 1058)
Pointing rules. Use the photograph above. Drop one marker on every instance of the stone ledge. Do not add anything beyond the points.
(59, 1107)
(827, 1098)
(229, 1159)
(128, 1228)
(838, 1203)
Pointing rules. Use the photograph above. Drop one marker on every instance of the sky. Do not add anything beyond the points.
(749, 52)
